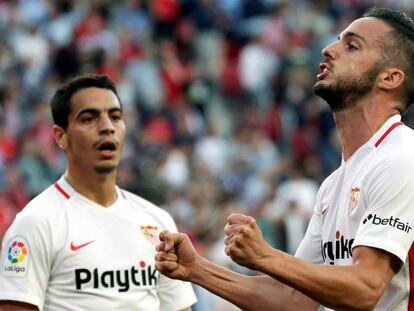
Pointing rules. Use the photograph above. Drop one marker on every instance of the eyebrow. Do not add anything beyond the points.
(96, 111)
(350, 34)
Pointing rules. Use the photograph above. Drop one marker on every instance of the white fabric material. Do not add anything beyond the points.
(82, 256)
(369, 201)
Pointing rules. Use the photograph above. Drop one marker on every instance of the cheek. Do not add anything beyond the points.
(79, 142)
(353, 67)
(122, 134)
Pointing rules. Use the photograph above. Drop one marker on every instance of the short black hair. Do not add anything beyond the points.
(61, 101)
(398, 46)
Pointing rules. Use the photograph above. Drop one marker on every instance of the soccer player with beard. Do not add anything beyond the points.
(357, 253)
(84, 243)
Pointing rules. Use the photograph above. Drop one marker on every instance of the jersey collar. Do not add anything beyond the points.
(385, 130)
(379, 136)
(66, 190)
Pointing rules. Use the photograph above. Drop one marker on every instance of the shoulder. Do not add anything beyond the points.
(399, 144)
(142, 205)
(396, 154)
(327, 183)
(40, 223)
(44, 208)
(325, 191)
(390, 172)
(45, 203)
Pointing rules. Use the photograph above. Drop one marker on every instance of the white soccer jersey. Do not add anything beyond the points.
(65, 252)
(369, 200)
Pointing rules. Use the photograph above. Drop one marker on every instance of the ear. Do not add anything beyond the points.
(60, 136)
(391, 79)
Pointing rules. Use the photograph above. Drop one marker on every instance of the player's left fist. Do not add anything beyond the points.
(244, 241)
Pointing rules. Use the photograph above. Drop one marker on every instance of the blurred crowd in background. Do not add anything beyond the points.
(217, 96)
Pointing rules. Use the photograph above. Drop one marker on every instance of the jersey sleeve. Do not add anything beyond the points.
(310, 247)
(25, 260)
(388, 221)
(174, 294)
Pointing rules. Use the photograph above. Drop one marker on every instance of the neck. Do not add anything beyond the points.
(357, 125)
(96, 187)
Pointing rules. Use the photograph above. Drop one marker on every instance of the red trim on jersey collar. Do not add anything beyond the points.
(411, 273)
(123, 194)
(387, 132)
(63, 192)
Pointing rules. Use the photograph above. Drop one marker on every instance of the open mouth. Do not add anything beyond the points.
(324, 70)
(107, 148)
(107, 145)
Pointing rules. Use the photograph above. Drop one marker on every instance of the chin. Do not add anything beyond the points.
(105, 169)
(321, 84)
(319, 87)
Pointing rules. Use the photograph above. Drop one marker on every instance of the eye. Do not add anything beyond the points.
(87, 119)
(116, 117)
(350, 46)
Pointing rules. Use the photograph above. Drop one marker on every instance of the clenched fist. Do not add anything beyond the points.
(176, 256)
(244, 241)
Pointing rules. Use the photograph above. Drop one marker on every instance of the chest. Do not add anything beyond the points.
(107, 251)
(343, 204)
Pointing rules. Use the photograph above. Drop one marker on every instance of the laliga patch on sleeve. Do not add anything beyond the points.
(16, 257)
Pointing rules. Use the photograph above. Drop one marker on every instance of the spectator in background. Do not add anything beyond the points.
(133, 17)
(258, 67)
(7, 214)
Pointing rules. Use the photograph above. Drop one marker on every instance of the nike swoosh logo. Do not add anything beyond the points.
(325, 210)
(75, 248)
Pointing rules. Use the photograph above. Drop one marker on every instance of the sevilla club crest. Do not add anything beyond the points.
(353, 200)
(151, 234)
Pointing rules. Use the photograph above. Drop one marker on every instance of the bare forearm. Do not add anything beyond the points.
(339, 287)
(249, 293)
(8, 305)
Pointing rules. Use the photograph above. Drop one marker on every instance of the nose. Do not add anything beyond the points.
(329, 51)
(105, 125)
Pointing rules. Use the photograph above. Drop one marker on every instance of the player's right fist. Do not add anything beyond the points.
(176, 256)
